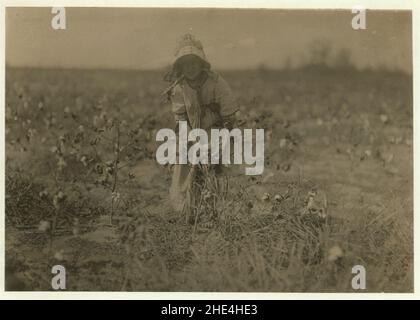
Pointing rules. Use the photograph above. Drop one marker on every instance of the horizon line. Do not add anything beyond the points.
(255, 68)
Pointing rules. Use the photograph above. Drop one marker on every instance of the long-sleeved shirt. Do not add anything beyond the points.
(206, 106)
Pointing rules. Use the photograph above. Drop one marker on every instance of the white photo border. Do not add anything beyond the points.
(411, 5)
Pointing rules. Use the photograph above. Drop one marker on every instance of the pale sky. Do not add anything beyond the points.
(139, 38)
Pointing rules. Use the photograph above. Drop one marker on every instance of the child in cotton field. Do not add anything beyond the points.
(201, 97)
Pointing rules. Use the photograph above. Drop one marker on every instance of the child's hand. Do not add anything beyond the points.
(228, 125)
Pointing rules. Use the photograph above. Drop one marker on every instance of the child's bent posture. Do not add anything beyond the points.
(203, 99)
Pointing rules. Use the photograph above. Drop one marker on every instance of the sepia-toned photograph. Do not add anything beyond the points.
(208, 150)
